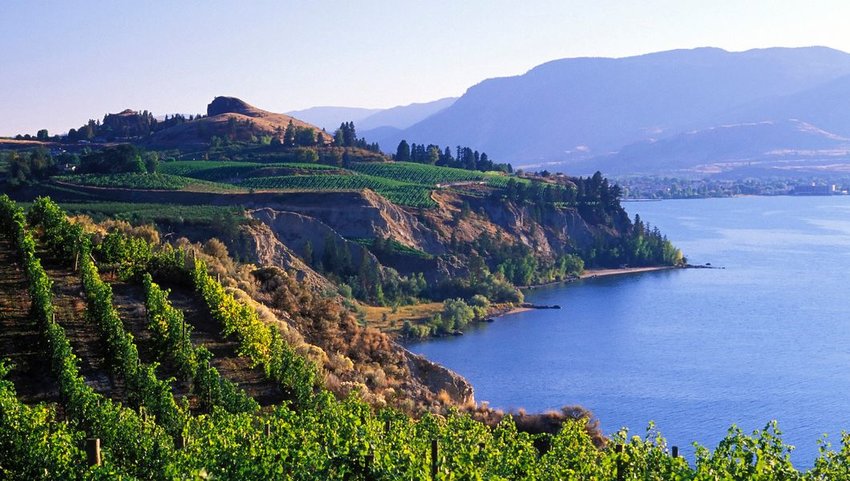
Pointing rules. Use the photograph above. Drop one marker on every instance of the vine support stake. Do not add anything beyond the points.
(370, 459)
(434, 459)
(180, 442)
(268, 430)
(619, 450)
(93, 451)
(675, 451)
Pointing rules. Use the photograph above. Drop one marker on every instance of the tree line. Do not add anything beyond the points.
(463, 158)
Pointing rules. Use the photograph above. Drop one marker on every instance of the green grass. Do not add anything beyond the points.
(156, 181)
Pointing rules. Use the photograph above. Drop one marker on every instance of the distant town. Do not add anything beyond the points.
(650, 187)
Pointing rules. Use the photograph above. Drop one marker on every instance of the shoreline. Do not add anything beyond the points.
(588, 274)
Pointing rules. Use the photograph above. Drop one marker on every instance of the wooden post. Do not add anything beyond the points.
(619, 450)
(268, 430)
(93, 451)
(370, 458)
(387, 426)
(675, 451)
(180, 442)
(434, 459)
(209, 391)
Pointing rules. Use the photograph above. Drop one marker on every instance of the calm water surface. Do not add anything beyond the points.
(694, 350)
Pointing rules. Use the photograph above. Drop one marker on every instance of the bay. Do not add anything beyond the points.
(694, 350)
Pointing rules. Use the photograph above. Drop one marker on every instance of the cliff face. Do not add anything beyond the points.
(440, 379)
(549, 233)
(264, 248)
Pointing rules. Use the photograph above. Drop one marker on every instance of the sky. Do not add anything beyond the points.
(65, 62)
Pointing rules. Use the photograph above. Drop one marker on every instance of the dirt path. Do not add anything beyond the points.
(207, 333)
(83, 334)
(20, 339)
(129, 300)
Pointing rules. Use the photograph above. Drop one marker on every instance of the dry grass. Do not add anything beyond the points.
(384, 319)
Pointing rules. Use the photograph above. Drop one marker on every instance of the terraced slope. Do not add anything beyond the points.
(207, 333)
(19, 335)
(83, 334)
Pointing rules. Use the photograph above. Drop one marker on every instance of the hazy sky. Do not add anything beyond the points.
(65, 62)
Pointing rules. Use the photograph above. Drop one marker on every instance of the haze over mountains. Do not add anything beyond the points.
(393, 119)
(680, 110)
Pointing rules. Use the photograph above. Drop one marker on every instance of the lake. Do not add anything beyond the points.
(694, 350)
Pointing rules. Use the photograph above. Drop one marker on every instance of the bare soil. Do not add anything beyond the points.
(207, 332)
(82, 332)
(20, 339)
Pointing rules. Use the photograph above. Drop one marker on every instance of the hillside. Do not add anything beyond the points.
(366, 120)
(329, 117)
(227, 117)
(791, 146)
(583, 107)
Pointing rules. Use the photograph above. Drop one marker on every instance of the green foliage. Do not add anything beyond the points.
(258, 342)
(28, 169)
(229, 171)
(135, 180)
(398, 192)
(169, 214)
(174, 342)
(113, 160)
(422, 174)
(129, 256)
(455, 316)
(144, 387)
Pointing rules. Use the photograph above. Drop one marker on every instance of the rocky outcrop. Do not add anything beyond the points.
(438, 378)
(229, 105)
(296, 231)
(263, 248)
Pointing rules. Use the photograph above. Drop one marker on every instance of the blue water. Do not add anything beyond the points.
(694, 350)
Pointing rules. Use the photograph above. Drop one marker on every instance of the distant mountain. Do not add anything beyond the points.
(789, 145)
(366, 120)
(403, 116)
(329, 118)
(826, 105)
(574, 109)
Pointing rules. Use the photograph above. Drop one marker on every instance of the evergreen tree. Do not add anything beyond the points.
(289, 135)
(402, 153)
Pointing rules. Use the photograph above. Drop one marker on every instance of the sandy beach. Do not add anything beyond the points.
(616, 272)
(589, 274)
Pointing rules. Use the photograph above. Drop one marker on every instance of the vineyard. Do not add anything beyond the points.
(156, 181)
(404, 183)
(217, 431)
(398, 192)
(224, 170)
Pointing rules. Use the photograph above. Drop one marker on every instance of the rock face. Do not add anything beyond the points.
(297, 230)
(229, 105)
(265, 249)
(438, 378)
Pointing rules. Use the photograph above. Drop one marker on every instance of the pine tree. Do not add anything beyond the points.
(402, 153)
